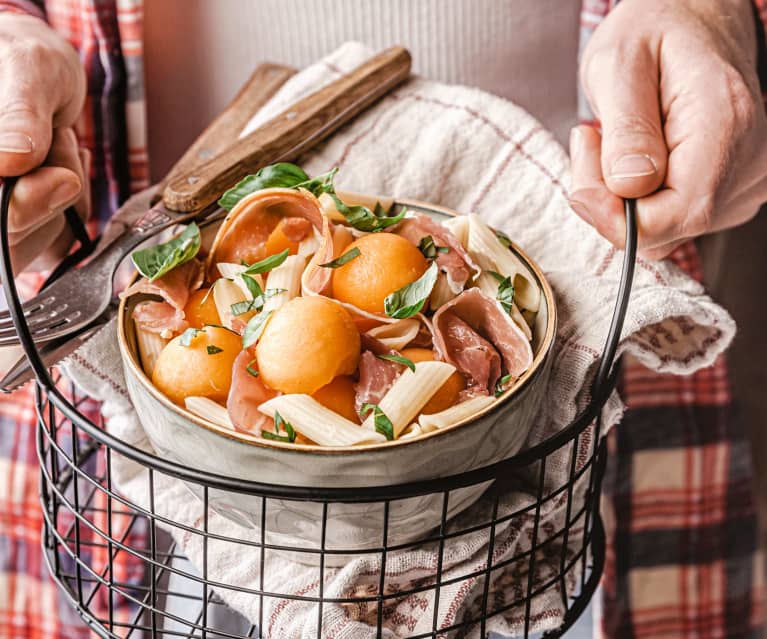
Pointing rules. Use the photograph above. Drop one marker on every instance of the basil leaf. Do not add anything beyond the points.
(290, 433)
(399, 359)
(257, 303)
(505, 294)
(188, 335)
(280, 175)
(254, 329)
(226, 328)
(499, 385)
(382, 423)
(156, 261)
(250, 368)
(212, 349)
(497, 276)
(267, 264)
(443, 249)
(345, 258)
(503, 238)
(362, 218)
(254, 288)
(409, 300)
(320, 184)
(429, 248)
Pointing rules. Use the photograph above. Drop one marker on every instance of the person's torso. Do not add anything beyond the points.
(198, 53)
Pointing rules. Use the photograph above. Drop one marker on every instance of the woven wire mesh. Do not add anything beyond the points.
(126, 576)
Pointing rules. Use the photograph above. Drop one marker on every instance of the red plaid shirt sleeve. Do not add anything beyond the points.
(23, 6)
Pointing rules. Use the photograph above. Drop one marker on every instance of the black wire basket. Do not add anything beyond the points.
(121, 570)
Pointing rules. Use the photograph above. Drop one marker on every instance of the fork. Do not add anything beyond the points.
(81, 295)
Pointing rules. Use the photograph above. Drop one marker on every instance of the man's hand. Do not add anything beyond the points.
(42, 89)
(674, 85)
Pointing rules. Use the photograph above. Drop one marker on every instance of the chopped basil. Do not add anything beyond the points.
(267, 264)
(497, 276)
(409, 300)
(429, 248)
(254, 329)
(188, 335)
(505, 294)
(382, 422)
(250, 368)
(345, 258)
(156, 261)
(399, 359)
(254, 288)
(290, 432)
(281, 175)
(499, 385)
(257, 303)
(213, 349)
(503, 238)
(226, 328)
(362, 218)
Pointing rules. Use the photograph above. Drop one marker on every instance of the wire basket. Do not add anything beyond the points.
(122, 571)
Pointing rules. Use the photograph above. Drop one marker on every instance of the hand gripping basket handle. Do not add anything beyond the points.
(602, 385)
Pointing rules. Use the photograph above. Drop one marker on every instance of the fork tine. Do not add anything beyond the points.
(43, 325)
(32, 309)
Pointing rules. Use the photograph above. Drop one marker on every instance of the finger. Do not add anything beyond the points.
(37, 243)
(589, 196)
(39, 87)
(661, 252)
(622, 85)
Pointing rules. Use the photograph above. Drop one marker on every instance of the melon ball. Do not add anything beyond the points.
(306, 343)
(339, 397)
(447, 395)
(201, 310)
(386, 263)
(200, 369)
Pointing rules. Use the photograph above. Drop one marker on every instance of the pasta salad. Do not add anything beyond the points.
(315, 321)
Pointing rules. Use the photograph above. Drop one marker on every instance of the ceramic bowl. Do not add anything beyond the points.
(490, 436)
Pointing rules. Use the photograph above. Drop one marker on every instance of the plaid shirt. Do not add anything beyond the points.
(682, 559)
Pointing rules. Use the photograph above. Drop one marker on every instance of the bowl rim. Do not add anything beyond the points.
(129, 359)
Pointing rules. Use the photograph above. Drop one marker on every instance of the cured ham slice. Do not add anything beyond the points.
(243, 233)
(296, 228)
(246, 394)
(376, 378)
(456, 263)
(174, 287)
(473, 329)
(160, 318)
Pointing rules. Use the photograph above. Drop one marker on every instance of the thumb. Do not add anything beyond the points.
(624, 92)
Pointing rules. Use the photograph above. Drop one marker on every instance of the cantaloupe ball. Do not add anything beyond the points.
(186, 371)
(306, 343)
(199, 312)
(277, 241)
(387, 262)
(447, 395)
(339, 396)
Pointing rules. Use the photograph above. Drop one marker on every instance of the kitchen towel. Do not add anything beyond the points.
(472, 152)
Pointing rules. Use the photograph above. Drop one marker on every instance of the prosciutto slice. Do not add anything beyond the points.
(471, 331)
(244, 231)
(457, 264)
(376, 378)
(174, 287)
(246, 394)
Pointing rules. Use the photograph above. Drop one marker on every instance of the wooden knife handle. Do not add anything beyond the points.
(265, 81)
(292, 132)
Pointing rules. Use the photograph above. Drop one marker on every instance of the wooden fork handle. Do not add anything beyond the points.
(264, 82)
(292, 132)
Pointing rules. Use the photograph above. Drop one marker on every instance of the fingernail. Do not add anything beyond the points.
(16, 143)
(63, 194)
(582, 211)
(632, 166)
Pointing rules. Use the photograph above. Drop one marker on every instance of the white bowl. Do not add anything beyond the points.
(490, 436)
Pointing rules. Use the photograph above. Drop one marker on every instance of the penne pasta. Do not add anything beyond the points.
(491, 255)
(442, 292)
(397, 335)
(317, 423)
(454, 414)
(411, 431)
(409, 394)
(329, 209)
(309, 245)
(488, 284)
(226, 293)
(458, 225)
(150, 346)
(286, 276)
(233, 272)
(210, 410)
